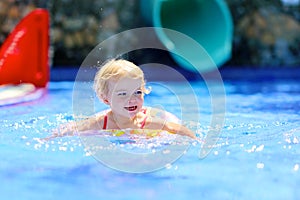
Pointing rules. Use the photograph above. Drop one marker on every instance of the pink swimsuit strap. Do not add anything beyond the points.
(144, 110)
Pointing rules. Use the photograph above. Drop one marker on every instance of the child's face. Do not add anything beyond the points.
(125, 96)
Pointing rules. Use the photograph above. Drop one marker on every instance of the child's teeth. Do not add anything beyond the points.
(131, 108)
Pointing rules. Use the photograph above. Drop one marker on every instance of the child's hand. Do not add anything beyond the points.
(179, 129)
(187, 132)
(67, 129)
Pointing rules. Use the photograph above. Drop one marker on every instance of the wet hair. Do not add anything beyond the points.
(114, 70)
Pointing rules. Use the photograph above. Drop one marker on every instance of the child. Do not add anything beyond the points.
(121, 85)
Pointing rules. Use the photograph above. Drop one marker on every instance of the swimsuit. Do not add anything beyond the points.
(142, 125)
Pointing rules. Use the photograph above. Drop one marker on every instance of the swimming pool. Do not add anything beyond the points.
(256, 156)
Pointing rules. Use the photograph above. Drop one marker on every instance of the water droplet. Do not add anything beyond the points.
(295, 140)
(260, 165)
(168, 166)
(166, 151)
(260, 148)
(296, 167)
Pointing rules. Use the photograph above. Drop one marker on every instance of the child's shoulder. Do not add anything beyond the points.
(103, 113)
(100, 116)
(160, 113)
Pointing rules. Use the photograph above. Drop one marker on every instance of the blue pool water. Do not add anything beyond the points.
(257, 155)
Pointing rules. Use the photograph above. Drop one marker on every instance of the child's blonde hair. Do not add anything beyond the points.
(114, 70)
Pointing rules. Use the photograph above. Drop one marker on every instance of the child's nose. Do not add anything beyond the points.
(132, 99)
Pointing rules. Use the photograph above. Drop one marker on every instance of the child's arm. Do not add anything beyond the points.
(156, 123)
(71, 128)
(178, 129)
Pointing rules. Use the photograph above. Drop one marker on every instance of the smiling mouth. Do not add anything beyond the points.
(131, 108)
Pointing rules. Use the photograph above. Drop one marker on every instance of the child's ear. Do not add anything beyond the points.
(104, 99)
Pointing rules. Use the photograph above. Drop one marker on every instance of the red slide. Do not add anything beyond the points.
(24, 54)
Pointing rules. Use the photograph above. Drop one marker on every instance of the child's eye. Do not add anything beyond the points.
(138, 92)
(121, 94)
